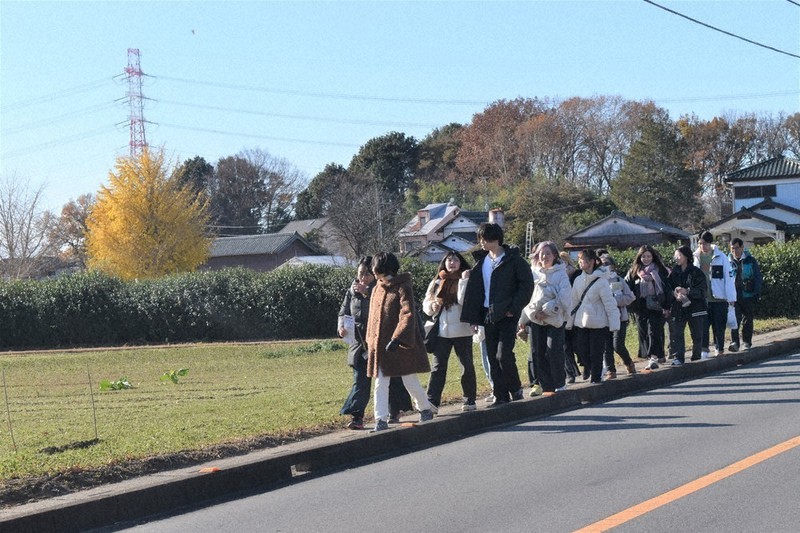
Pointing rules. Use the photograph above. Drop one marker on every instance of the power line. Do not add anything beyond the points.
(252, 136)
(61, 94)
(726, 97)
(722, 31)
(341, 96)
(51, 120)
(56, 142)
(793, 2)
(302, 117)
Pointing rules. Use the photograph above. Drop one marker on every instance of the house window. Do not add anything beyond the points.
(423, 220)
(756, 191)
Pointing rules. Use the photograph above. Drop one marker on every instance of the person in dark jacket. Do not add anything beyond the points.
(748, 289)
(356, 305)
(500, 285)
(689, 307)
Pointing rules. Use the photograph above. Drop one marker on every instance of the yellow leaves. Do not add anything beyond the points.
(145, 224)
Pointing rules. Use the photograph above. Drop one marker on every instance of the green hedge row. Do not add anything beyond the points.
(91, 309)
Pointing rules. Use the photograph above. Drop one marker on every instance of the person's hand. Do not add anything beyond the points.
(393, 345)
(342, 331)
(522, 334)
(465, 274)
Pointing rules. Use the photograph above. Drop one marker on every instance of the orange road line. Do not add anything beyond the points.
(684, 490)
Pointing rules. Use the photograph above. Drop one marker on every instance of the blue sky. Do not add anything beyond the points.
(313, 81)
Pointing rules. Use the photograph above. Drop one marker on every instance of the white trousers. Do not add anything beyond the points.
(413, 386)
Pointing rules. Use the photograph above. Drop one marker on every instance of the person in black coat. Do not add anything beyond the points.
(689, 307)
(500, 285)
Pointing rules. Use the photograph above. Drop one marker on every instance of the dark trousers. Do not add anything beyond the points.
(500, 339)
(548, 354)
(615, 342)
(357, 401)
(717, 319)
(533, 373)
(650, 325)
(744, 317)
(589, 344)
(441, 355)
(696, 321)
(570, 365)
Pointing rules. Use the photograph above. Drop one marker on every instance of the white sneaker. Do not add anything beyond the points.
(746, 346)
(489, 399)
(560, 389)
(653, 364)
(716, 352)
(703, 355)
(536, 390)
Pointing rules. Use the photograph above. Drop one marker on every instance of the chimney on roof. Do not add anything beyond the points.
(496, 216)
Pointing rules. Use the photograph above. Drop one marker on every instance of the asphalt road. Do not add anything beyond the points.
(568, 471)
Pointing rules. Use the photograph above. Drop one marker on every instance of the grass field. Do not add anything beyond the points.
(55, 418)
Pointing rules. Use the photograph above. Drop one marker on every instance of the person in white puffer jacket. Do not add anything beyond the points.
(546, 315)
(445, 297)
(594, 314)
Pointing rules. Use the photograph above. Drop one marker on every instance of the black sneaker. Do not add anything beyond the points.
(356, 423)
(518, 395)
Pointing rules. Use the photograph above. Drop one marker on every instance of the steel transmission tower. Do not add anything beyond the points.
(134, 74)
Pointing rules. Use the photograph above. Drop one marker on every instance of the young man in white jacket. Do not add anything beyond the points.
(721, 290)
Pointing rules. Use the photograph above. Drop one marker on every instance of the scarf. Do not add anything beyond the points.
(448, 288)
(650, 281)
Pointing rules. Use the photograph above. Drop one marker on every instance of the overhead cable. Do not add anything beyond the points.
(341, 96)
(301, 117)
(253, 136)
(61, 94)
(722, 31)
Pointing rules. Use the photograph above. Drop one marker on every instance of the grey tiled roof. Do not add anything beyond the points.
(779, 167)
(270, 243)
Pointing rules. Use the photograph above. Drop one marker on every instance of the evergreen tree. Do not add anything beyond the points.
(654, 181)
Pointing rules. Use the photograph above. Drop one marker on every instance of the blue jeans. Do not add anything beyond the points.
(356, 402)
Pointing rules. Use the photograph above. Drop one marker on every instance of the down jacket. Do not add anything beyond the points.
(599, 308)
(392, 315)
(450, 324)
(722, 280)
(552, 293)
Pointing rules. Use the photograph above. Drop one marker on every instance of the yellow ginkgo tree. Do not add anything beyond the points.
(145, 224)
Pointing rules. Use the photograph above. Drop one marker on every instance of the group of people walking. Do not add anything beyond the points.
(560, 310)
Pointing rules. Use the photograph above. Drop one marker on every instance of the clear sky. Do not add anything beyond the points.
(311, 82)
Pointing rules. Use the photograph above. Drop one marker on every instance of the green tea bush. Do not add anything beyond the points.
(91, 309)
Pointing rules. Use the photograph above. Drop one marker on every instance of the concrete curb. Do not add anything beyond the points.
(164, 492)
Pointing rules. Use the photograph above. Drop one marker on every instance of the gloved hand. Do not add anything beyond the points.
(393, 345)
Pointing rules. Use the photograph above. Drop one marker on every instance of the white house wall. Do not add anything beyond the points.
(787, 193)
(460, 225)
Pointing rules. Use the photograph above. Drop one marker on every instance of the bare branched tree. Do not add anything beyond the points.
(25, 227)
(365, 217)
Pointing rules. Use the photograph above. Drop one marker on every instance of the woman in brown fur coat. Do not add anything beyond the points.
(394, 341)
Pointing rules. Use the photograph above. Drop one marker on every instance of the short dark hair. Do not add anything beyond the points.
(707, 237)
(385, 263)
(365, 261)
(489, 231)
(738, 242)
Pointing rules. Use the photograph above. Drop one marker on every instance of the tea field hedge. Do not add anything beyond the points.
(91, 309)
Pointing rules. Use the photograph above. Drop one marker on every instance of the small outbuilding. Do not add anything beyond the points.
(257, 252)
(620, 231)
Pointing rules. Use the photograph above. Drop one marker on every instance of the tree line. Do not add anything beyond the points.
(560, 164)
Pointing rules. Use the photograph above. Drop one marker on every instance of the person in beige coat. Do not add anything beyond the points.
(394, 341)
(594, 314)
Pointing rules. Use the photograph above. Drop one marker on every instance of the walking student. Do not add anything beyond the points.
(444, 298)
(623, 295)
(394, 341)
(748, 289)
(689, 290)
(500, 285)
(721, 293)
